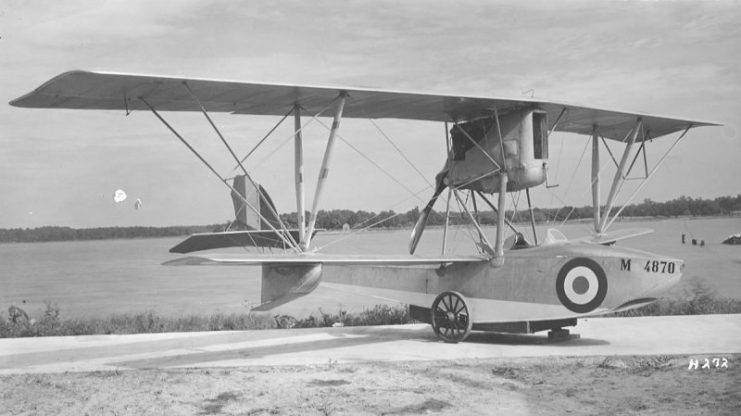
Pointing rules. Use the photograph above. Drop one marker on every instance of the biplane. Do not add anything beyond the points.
(495, 146)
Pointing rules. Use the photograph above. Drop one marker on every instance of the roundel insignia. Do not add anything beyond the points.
(581, 285)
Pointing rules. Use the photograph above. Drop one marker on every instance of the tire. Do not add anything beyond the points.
(451, 317)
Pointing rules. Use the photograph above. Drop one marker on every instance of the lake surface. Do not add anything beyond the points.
(98, 278)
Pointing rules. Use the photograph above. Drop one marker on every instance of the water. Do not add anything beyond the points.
(98, 278)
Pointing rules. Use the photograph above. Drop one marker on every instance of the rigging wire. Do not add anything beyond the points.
(558, 166)
(586, 191)
(288, 137)
(294, 132)
(231, 152)
(571, 181)
(274, 151)
(263, 139)
(422, 175)
(356, 228)
(621, 184)
(208, 165)
(515, 203)
(644, 181)
(463, 208)
(384, 171)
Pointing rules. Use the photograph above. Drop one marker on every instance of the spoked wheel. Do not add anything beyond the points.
(451, 317)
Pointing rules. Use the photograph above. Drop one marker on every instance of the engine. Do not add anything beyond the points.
(522, 153)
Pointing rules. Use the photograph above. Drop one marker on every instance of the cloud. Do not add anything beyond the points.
(676, 58)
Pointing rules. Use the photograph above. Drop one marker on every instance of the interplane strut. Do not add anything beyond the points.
(299, 177)
(324, 169)
(603, 219)
(650, 174)
(616, 181)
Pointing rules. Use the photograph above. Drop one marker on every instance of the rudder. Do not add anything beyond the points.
(245, 218)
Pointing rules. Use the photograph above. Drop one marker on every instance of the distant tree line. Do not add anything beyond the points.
(28, 235)
(682, 206)
(336, 220)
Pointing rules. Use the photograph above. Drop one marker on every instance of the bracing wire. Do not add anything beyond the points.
(558, 166)
(383, 133)
(515, 203)
(371, 161)
(571, 181)
(357, 227)
(462, 208)
(288, 137)
(292, 134)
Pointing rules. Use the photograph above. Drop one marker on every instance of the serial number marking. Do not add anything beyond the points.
(659, 266)
(716, 362)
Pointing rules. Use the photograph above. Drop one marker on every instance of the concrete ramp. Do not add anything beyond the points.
(704, 335)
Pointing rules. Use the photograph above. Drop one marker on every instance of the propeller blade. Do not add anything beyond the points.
(419, 227)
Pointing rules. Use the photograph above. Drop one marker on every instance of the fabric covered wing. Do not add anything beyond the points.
(258, 260)
(113, 91)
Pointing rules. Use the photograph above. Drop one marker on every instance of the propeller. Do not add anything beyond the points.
(419, 227)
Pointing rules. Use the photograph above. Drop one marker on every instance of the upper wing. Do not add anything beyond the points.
(113, 91)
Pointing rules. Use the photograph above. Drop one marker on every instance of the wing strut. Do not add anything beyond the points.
(275, 127)
(496, 211)
(447, 203)
(499, 250)
(532, 216)
(595, 179)
(650, 174)
(501, 142)
(324, 170)
(224, 181)
(603, 220)
(298, 150)
(616, 181)
(485, 242)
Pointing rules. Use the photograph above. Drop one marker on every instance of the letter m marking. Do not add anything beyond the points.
(624, 264)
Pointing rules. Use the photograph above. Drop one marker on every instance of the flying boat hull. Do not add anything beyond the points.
(553, 282)
(527, 286)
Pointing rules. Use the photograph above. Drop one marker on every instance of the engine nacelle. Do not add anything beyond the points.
(524, 142)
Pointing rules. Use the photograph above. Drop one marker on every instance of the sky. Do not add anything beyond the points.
(62, 167)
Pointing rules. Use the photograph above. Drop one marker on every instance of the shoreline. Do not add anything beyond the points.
(369, 230)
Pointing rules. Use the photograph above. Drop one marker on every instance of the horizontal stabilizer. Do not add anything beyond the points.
(253, 238)
(257, 260)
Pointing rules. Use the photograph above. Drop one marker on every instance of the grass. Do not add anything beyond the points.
(50, 323)
(697, 299)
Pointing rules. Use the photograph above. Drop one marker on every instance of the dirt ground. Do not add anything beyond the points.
(660, 385)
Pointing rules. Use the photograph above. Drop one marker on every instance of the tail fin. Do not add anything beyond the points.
(248, 229)
(245, 218)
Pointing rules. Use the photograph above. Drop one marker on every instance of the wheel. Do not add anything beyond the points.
(451, 317)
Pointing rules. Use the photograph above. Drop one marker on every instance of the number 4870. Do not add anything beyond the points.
(659, 266)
